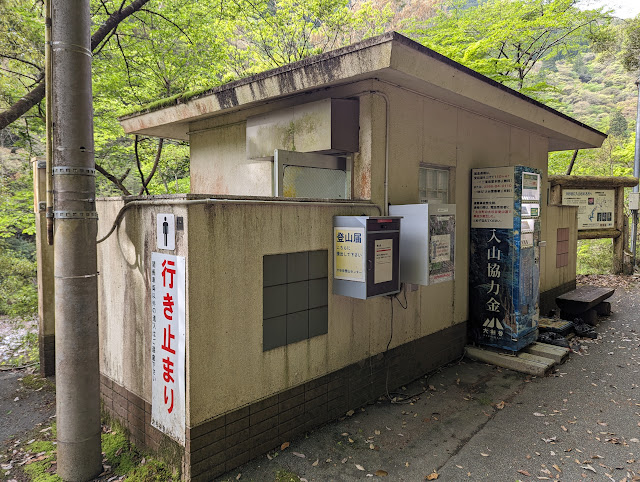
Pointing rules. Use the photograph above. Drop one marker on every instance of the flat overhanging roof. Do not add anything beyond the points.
(390, 58)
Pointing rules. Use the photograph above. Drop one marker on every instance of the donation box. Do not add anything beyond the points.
(505, 260)
(366, 256)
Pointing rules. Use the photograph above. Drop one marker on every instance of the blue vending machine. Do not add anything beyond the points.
(505, 256)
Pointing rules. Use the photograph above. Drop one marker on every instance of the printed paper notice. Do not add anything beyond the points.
(492, 213)
(492, 183)
(383, 267)
(595, 208)
(530, 186)
(440, 248)
(348, 259)
(492, 192)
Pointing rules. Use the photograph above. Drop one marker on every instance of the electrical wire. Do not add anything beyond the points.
(393, 396)
(391, 329)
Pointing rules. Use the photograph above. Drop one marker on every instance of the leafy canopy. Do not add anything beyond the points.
(506, 39)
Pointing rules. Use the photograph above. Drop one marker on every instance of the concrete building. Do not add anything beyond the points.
(269, 351)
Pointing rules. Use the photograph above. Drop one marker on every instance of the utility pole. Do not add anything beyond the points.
(636, 173)
(75, 229)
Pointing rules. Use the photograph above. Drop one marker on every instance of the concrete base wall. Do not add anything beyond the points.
(228, 441)
(47, 346)
(225, 442)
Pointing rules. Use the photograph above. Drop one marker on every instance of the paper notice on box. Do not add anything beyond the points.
(492, 213)
(440, 248)
(383, 268)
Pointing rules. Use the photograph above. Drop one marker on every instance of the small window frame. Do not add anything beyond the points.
(424, 170)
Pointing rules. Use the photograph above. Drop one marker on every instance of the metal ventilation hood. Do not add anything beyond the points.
(329, 126)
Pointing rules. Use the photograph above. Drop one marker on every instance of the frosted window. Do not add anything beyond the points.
(433, 185)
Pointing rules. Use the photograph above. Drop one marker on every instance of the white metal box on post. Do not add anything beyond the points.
(427, 242)
(366, 256)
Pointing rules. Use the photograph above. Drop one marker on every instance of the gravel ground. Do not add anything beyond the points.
(21, 408)
(12, 333)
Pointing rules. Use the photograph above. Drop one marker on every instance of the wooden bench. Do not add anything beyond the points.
(585, 302)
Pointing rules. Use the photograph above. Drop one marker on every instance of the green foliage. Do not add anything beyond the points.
(124, 459)
(42, 470)
(36, 382)
(21, 60)
(18, 292)
(283, 475)
(631, 45)
(152, 471)
(618, 125)
(506, 39)
(116, 448)
(16, 196)
(595, 256)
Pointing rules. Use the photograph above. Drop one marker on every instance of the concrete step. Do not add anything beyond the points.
(522, 362)
(557, 353)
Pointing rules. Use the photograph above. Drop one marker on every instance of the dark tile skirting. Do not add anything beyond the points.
(132, 412)
(548, 298)
(47, 345)
(230, 440)
(224, 443)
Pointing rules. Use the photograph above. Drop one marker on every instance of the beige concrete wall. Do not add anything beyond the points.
(559, 217)
(226, 366)
(124, 294)
(424, 130)
(219, 164)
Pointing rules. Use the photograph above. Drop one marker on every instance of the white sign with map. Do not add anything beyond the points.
(595, 207)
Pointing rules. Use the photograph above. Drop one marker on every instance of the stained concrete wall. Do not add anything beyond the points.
(226, 367)
(422, 130)
(219, 164)
(124, 291)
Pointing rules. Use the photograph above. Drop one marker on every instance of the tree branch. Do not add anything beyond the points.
(18, 59)
(30, 77)
(180, 29)
(146, 182)
(23, 106)
(135, 150)
(114, 179)
(25, 103)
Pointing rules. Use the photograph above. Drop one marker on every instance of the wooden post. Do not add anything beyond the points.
(618, 242)
(44, 257)
(555, 195)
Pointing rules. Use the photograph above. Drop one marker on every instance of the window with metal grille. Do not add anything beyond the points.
(433, 185)
(562, 248)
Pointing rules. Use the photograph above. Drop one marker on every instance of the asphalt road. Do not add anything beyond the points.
(475, 422)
